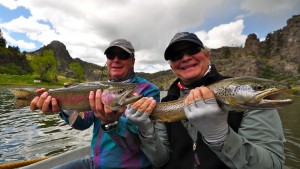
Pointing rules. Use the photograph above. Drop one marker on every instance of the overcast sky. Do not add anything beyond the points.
(87, 26)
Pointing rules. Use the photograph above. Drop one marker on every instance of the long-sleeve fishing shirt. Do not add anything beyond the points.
(123, 146)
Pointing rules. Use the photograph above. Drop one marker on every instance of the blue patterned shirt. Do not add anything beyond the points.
(120, 146)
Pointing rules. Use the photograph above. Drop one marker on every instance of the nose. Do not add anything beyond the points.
(116, 58)
(186, 57)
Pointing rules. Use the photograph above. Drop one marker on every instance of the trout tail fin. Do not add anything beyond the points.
(23, 96)
(23, 93)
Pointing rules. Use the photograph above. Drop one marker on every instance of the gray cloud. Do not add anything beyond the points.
(87, 27)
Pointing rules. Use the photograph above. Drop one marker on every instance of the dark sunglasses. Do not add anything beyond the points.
(177, 55)
(121, 55)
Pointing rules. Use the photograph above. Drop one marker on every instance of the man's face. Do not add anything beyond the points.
(119, 63)
(193, 64)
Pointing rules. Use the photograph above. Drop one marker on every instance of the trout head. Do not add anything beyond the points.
(117, 95)
(255, 93)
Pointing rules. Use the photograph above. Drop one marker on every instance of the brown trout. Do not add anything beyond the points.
(238, 93)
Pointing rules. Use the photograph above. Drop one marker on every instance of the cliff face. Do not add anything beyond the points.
(63, 60)
(277, 57)
(278, 54)
(61, 54)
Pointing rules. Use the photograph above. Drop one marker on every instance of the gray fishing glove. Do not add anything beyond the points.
(141, 120)
(209, 119)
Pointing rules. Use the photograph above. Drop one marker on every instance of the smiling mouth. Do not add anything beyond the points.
(186, 67)
(117, 67)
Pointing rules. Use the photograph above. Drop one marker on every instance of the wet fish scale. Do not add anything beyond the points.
(233, 93)
(76, 97)
(238, 93)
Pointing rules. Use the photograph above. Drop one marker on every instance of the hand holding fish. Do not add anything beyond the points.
(103, 112)
(138, 113)
(44, 102)
(203, 111)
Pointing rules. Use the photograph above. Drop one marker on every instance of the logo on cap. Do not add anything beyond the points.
(180, 35)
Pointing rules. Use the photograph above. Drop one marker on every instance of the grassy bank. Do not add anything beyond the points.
(28, 80)
(296, 90)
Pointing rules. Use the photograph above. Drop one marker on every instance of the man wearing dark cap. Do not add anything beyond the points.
(212, 138)
(120, 140)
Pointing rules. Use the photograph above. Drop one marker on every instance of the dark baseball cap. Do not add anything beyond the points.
(179, 37)
(121, 43)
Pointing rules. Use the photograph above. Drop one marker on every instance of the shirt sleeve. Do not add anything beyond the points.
(159, 142)
(124, 134)
(259, 142)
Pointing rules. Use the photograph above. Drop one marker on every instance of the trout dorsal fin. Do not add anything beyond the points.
(66, 85)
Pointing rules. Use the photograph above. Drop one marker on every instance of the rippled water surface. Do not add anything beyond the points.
(28, 135)
(290, 117)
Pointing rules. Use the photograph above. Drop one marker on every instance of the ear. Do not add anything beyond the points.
(170, 64)
(207, 55)
(133, 60)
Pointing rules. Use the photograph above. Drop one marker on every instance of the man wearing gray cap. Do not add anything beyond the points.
(120, 140)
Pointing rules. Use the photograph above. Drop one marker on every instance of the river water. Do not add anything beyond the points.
(28, 135)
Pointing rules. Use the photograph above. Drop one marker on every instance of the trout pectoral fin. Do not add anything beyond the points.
(81, 114)
(73, 117)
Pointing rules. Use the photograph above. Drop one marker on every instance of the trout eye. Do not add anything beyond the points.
(259, 87)
(120, 91)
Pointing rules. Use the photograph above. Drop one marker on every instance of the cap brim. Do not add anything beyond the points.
(127, 50)
(167, 51)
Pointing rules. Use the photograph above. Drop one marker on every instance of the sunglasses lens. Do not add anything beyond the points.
(121, 55)
(124, 56)
(192, 51)
(110, 56)
(177, 55)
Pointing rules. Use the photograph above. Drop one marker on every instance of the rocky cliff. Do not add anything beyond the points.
(92, 71)
(277, 57)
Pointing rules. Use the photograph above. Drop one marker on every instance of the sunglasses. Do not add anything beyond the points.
(121, 55)
(177, 55)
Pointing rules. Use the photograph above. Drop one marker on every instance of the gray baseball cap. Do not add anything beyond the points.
(121, 43)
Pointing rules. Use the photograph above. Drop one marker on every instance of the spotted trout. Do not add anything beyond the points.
(238, 93)
(75, 98)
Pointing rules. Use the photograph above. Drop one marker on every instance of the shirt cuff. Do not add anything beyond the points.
(218, 145)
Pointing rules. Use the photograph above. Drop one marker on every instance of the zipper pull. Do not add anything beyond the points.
(196, 158)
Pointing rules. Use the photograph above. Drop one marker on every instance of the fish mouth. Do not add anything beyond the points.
(128, 97)
(269, 98)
